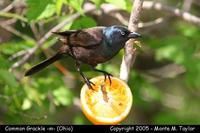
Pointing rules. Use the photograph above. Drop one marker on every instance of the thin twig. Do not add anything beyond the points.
(23, 52)
(12, 15)
(58, 65)
(18, 54)
(148, 5)
(150, 23)
(123, 21)
(130, 52)
(8, 8)
(172, 10)
(47, 35)
(17, 33)
(9, 21)
(35, 31)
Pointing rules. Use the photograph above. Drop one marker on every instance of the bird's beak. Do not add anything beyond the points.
(133, 35)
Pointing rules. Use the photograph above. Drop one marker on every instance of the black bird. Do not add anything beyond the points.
(91, 46)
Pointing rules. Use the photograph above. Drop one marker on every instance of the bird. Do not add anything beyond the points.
(91, 46)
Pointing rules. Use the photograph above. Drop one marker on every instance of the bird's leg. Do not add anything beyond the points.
(88, 82)
(106, 74)
(72, 52)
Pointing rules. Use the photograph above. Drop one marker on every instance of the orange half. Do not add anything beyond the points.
(106, 104)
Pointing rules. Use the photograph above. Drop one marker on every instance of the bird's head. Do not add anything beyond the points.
(118, 35)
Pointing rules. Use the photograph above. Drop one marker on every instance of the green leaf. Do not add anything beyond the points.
(3, 63)
(78, 120)
(39, 9)
(172, 48)
(26, 104)
(136, 83)
(123, 4)
(170, 52)
(193, 72)
(8, 78)
(168, 117)
(12, 47)
(50, 42)
(181, 49)
(48, 12)
(188, 30)
(97, 2)
(59, 4)
(76, 4)
(62, 96)
(150, 92)
(83, 22)
(118, 3)
(33, 94)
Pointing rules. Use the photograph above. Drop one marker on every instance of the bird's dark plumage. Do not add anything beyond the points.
(84, 38)
(43, 64)
(91, 46)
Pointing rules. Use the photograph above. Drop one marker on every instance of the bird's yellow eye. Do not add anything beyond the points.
(123, 33)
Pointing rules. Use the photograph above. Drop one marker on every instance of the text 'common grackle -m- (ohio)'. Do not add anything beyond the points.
(91, 46)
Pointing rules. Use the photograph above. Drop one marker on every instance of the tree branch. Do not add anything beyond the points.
(174, 11)
(148, 5)
(13, 15)
(151, 23)
(8, 8)
(15, 32)
(130, 52)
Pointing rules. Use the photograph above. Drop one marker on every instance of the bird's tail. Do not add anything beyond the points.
(44, 64)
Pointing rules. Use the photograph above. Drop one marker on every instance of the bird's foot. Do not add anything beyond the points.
(87, 81)
(106, 75)
(89, 84)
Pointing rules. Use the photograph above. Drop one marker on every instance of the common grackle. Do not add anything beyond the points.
(91, 46)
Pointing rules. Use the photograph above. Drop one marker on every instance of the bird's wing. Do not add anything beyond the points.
(65, 33)
(82, 38)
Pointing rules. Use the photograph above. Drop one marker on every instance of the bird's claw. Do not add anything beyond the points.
(89, 84)
(106, 74)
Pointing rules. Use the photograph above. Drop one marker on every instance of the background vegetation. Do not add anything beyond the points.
(165, 79)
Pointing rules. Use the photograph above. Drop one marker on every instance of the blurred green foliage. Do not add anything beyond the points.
(38, 9)
(49, 97)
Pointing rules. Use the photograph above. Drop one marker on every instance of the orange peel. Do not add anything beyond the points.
(106, 103)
